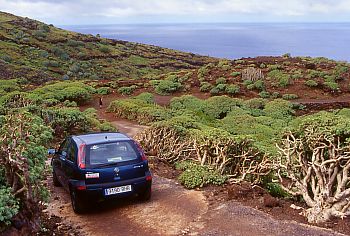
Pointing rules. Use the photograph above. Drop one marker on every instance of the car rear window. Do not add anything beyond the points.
(111, 153)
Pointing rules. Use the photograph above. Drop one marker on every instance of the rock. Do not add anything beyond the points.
(270, 201)
(239, 191)
(295, 207)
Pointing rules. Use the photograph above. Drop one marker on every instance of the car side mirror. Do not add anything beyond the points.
(51, 151)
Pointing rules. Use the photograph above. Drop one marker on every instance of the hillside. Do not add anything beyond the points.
(38, 52)
(201, 120)
(303, 78)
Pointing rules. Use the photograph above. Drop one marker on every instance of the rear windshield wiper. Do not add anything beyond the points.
(105, 165)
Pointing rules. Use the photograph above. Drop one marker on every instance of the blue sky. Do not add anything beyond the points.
(74, 12)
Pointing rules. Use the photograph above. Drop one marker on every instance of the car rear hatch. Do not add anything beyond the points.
(114, 161)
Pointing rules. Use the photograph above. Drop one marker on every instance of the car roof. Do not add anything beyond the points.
(95, 138)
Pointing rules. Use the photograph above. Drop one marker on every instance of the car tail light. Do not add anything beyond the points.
(81, 157)
(81, 187)
(148, 177)
(143, 155)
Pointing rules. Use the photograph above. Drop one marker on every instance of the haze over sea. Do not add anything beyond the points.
(236, 40)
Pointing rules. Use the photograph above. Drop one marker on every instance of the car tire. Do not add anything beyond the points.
(55, 180)
(146, 195)
(77, 203)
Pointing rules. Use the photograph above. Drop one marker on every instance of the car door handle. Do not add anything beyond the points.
(138, 166)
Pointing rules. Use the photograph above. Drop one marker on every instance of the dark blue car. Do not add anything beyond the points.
(101, 166)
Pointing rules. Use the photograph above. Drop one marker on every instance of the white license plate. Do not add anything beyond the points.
(116, 190)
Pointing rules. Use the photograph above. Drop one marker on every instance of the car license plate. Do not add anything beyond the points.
(116, 190)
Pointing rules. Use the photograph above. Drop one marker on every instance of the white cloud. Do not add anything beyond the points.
(91, 10)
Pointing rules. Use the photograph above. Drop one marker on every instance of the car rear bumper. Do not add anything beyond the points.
(97, 191)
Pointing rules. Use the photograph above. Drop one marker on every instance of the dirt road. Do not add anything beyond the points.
(172, 210)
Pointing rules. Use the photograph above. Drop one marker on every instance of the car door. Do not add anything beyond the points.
(69, 164)
(59, 158)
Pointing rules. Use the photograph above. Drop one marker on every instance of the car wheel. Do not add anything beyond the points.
(77, 203)
(55, 180)
(146, 195)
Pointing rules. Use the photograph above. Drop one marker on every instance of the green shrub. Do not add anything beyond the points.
(104, 49)
(7, 86)
(205, 87)
(59, 52)
(255, 103)
(259, 84)
(232, 89)
(187, 102)
(275, 95)
(289, 96)
(51, 63)
(219, 106)
(107, 127)
(247, 83)
(6, 58)
(220, 81)
(74, 43)
(195, 175)
(138, 110)
(146, 97)
(166, 87)
(279, 109)
(282, 79)
(127, 90)
(311, 83)
(103, 90)
(61, 91)
(275, 67)
(70, 103)
(224, 64)
(214, 91)
(332, 85)
(264, 94)
(235, 73)
(39, 34)
(9, 205)
(263, 66)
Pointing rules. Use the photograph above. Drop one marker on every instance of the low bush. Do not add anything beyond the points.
(146, 97)
(259, 85)
(195, 175)
(220, 81)
(103, 90)
(166, 87)
(311, 83)
(104, 49)
(282, 79)
(232, 89)
(126, 90)
(331, 85)
(236, 73)
(289, 96)
(61, 91)
(264, 94)
(205, 87)
(138, 110)
(9, 205)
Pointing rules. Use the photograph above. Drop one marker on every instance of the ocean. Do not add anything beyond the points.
(236, 40)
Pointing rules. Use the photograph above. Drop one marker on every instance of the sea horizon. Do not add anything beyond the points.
(235, 40)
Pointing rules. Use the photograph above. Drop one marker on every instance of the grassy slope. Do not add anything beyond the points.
(281, 76)
(38, 52)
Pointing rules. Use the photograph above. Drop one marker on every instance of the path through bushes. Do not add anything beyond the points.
(173, 210)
